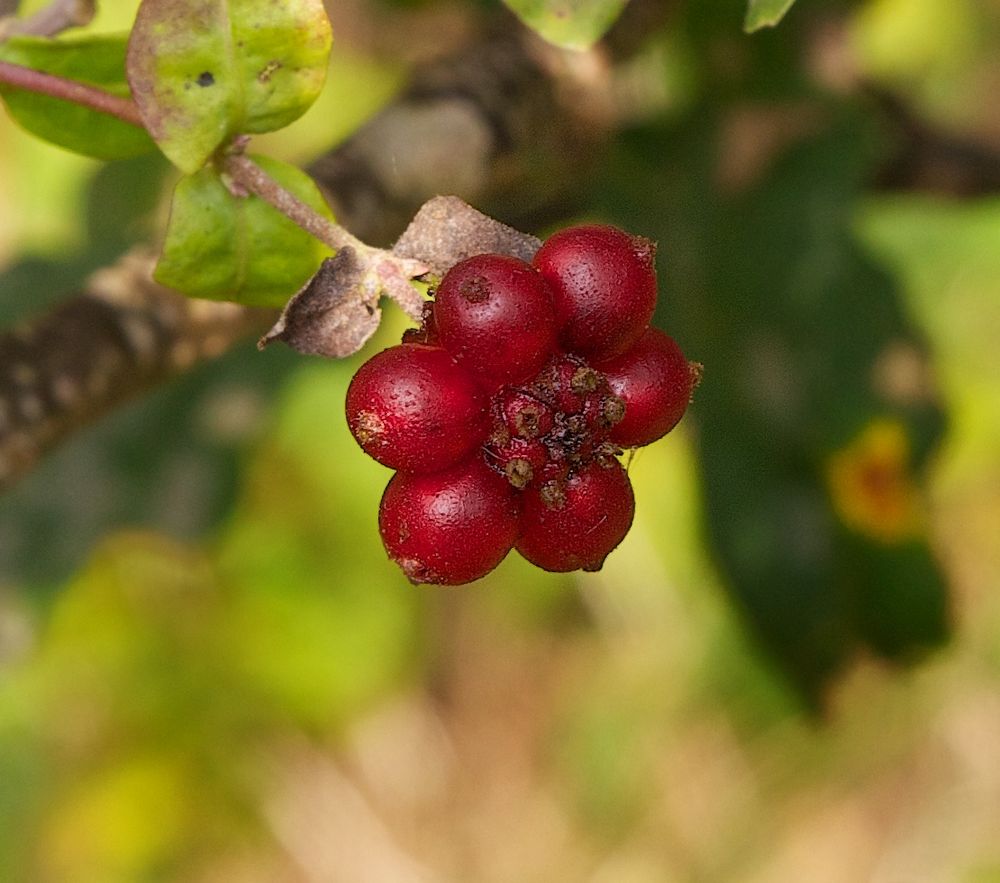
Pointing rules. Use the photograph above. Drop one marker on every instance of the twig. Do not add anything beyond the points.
(251, 178)
(123, 336)
(383, 271)
(245, 175)
(70, 90)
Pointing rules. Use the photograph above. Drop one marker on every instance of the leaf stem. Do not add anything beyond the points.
(253, 179)
(245, 174)
(70, 90)
(384, 272)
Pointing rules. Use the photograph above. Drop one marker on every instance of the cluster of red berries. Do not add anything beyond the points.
(505, 411)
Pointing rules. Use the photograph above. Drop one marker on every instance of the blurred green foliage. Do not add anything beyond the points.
(767, 283)
(765, 13)
(163, 667)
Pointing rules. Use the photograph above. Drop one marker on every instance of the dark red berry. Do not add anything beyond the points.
(574, 524)
(495, 315)
(603, 284)
(412, 408)
(524, 415)
(555, 470)
(519, 459)
(601, 412)
(655, 381)
(564, 383)
(450, 527)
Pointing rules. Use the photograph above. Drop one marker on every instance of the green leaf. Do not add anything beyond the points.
(572, 24)
(225, 247)
(98, 61)
(791, 316)
(203, 71)
(765, 14)
(898, 594)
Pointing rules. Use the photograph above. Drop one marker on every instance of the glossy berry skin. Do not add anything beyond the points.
(449, 527)
(578, 524)
(519, 459)
(494, 314)
(655, 381)
(411, 407)
(603, 284)
(524, 415)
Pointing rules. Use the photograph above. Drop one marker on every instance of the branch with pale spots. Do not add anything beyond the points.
(123, 336)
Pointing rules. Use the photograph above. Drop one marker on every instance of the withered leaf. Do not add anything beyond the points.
(337, 311)
(447, 230)
(333, 315)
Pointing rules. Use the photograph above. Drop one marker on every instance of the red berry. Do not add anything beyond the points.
(655, 382)
(450, 527)
(412, 408)
(575, 524)
(603, 285)
(601, 412)
(524, 415)
(505, 409)
(517, 458)
(565, 383)
(495, 315)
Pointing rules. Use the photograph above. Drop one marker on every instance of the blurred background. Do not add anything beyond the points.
(789, 670)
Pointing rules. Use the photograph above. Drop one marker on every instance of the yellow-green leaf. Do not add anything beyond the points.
(226, 247)
(203, 71)
(765, 14)
(97, 61)
(572, 24)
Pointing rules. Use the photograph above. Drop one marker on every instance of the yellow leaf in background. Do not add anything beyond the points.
(871, 485)
(119, 825)
(912, 37)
